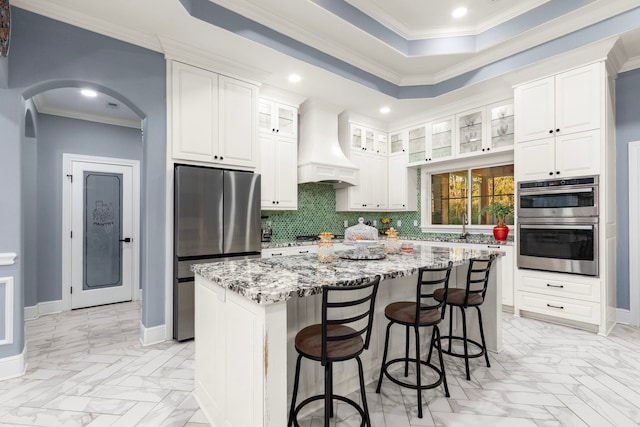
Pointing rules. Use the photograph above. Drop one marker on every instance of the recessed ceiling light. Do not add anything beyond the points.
(385, 110)
(294, 78)
(89, 93)
(459, 12)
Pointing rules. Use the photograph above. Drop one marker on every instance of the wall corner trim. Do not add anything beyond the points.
(12, 366)
(152, 335)
(7, 258)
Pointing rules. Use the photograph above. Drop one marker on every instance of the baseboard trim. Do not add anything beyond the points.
(42, 309)
(153, 335)
(12, 366)
(623, 316)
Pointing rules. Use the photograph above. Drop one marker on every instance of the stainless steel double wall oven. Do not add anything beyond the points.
(558, 225)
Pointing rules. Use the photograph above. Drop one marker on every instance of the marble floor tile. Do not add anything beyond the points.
(87, 368)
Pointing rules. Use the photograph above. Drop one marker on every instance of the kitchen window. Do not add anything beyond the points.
(454, 193)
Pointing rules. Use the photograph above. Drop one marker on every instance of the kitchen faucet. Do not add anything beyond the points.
(465, 219)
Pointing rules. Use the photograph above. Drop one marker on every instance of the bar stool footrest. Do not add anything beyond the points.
(321, 397)
(410, 385)
(462, 355)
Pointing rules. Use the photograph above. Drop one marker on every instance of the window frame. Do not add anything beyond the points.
(467, 163)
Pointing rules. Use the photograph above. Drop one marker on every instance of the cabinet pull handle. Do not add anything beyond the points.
(556, 306)
(303, 252)
(493, 246)
(277, 254)
(555, 286)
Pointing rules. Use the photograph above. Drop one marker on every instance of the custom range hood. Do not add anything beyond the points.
(320, 158)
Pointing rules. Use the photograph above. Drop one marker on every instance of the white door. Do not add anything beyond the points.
(102, 225)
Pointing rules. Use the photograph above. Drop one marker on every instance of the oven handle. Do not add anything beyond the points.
(558, 226)
(558, 191)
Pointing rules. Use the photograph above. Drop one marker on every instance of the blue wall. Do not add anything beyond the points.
(46, 54)
(627, 130)
(58, 135)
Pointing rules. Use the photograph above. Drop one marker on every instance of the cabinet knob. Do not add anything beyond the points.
(429, 158)
(273, 129)
(557, 130)
(221, 158)
(488, 148)
(278, 202)
(551, 131)
(550, 173)
(273, 202)
(483, 149)
(557, 172)
(215, 157)
(403, 150)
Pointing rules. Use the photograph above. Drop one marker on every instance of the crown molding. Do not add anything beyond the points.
(44, 108)
(88, 22)
(181, 52)
(631, 64)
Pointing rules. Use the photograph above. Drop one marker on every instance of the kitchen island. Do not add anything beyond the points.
(248, 312)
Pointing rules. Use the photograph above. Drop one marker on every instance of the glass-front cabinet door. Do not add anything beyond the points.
(442, 139)
(397, 142)
(470, 132)
(286, 120)
(356, 137)
(502, 127)
(369, 140)
(382, 143)
(417, 137)
(277, 118)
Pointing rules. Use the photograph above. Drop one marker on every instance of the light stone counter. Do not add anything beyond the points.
(247, 313)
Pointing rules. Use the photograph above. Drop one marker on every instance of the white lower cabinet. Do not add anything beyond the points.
(289, 250)
(561, 296)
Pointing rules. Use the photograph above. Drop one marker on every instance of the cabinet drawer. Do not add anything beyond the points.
(583, 289)
(564, 308)
(302, 250)
(275, 252)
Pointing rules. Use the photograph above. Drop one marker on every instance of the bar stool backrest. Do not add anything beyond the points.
(350, 309)
(478, 277)
(426, 288)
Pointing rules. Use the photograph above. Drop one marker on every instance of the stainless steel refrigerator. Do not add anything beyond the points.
(216, 218)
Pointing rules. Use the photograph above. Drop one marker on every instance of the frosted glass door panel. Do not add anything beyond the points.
(103, 230)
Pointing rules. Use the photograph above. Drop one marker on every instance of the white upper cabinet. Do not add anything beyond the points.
(277, 118)
(403, 191)
(441, 139)
(213, 118)
(417, 138)
(367, 140)
(238, 111)
(559, 105)
(501, 126)
(278, 167)
(278, 125)
(397, 143)
(471, 138)
(563, 156)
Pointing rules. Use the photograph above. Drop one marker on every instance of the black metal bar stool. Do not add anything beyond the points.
(472, 295)
(425, 311)
(336, 339)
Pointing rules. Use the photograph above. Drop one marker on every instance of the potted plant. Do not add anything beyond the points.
(500, 212)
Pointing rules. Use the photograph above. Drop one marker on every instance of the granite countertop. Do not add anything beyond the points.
(272, 280)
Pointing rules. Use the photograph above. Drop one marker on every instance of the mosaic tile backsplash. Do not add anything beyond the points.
(317, 213)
